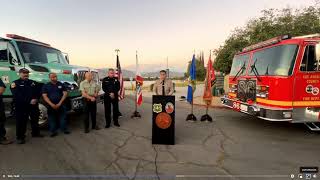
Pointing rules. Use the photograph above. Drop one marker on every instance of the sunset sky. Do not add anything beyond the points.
(90, 30)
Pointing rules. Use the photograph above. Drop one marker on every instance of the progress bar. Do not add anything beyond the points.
(233, 176)
(15, 176)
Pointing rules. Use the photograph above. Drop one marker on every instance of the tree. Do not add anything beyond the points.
(272, 23)
(200, 70)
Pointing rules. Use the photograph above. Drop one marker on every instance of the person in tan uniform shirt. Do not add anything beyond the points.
(90, 90)
(163, 86)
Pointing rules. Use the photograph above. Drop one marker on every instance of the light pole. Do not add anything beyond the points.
(117, 51)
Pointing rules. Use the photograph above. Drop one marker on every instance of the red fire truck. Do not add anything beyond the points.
(278, 80)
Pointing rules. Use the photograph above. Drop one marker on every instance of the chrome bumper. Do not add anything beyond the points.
(255, 110)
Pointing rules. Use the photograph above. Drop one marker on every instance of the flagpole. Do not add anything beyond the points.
(194, 51)
(207, 117)
(136, 98)
(191, 117)
(192, 103)
(121, 83)
(136, 114)
(207, 104)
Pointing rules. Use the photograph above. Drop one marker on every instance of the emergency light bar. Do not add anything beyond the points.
(266, 43)
(14, 36)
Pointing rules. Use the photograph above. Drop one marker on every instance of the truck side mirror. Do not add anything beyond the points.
(67, 59)
(12, 56)
(13, 61)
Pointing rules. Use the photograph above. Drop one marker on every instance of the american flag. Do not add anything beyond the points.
(119, 75)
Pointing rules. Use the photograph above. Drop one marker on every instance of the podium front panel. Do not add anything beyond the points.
(163, 120)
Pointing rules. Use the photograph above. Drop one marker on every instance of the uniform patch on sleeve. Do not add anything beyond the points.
(5, 79)
(13, 85)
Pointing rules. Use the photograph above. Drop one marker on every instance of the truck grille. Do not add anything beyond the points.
(246, 90)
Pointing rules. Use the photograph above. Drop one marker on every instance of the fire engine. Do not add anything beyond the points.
(40, 59)
(278, 80)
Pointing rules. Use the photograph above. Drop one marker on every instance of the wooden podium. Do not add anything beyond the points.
(163, 120)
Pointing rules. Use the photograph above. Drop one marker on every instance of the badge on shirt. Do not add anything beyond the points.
(13, 85)
(59, 87)
(33, 84)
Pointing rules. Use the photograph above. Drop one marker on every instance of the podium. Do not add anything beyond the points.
(163, 120)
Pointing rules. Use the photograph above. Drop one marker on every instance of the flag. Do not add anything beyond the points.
(209, 81)
(192, 78)
(119, 75)
(139, 83)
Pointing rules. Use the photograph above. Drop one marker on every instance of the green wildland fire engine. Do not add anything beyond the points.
(40, 58)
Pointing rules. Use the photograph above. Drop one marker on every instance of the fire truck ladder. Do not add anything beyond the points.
(313, 126)
(308, 36)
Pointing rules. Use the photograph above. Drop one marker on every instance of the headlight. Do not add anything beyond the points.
(287, 115)
(68, 86)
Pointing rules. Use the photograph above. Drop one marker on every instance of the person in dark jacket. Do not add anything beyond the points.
(3, 139)
(25, 94)
(111, 86)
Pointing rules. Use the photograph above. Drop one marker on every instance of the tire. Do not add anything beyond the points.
(43, 116)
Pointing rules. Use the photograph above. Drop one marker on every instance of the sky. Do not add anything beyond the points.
(90, 30)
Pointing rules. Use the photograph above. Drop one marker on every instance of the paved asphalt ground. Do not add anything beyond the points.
(233, 146)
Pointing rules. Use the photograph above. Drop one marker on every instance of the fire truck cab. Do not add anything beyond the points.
(278, 80)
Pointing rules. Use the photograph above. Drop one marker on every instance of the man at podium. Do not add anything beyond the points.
(163, 111)
(163, 86)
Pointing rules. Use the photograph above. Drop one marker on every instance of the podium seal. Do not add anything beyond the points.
(157, 108)
(169, 108)
(163, 120)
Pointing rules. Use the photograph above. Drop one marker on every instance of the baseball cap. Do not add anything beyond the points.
(24, 70)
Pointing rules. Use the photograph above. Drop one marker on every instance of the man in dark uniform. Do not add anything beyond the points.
(111, 86)
(3, 139)
(25, 94)
(54, 94)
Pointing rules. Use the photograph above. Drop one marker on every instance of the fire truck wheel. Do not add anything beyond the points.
(43, 116)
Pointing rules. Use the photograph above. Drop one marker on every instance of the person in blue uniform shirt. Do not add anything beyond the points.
(54, 94)
(3, 138)
(111, 87)
(25, 94)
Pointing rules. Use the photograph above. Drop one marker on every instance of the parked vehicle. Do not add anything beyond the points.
(278, 80)
(40, 58)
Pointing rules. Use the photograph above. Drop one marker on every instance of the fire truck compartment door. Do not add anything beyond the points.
(307, 114)
(306, 86)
